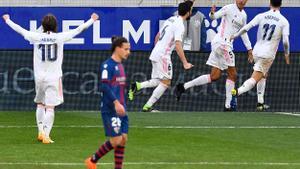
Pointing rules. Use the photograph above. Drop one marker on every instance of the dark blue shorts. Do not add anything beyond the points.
(114, 125)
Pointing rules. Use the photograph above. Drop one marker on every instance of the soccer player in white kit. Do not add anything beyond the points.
(170, 37)
(272, 27)
(47, 65)
(222, 57)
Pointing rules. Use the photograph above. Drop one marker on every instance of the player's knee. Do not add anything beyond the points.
(215, 76)
(116, 141)
(232, 77)
(166, 82)
(124, 140)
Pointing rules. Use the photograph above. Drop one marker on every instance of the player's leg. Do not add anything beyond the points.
(162, 70)
(153, 82)
(156, 95)
(40, 109)
(114, 127)
(120, 149)
(40, 115)
(53, 98)
(119, 152)
(214, 75)
(250, 83)
(48, 124)
(261, 87)
(229, 86)
(261, 67)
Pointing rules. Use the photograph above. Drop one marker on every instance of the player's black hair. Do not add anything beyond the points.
(276, 3)
(184, 8)
(190, 3)
(49, 23)
(117, 42)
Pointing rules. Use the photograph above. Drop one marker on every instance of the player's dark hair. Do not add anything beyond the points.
(117, 42)
(190, 3)
(184, 8)
(276, 3)
(49, 23)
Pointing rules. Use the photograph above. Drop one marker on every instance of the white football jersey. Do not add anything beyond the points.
(233, 19)
(272, 27)
(48, 49)
(172, 31)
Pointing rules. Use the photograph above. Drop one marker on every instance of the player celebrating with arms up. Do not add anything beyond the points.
(47, 59)
(113, 105)
(272, 27)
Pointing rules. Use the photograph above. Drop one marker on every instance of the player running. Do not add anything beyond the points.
(272, 27)
(170, 37)
(47, 64)
(222, 57)
(113, 105)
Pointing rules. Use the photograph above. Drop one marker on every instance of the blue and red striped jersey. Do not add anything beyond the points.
(113, 83)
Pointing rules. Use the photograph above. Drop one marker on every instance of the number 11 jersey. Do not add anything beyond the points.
(272, 27)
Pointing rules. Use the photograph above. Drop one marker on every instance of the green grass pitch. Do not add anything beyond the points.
(169, 140)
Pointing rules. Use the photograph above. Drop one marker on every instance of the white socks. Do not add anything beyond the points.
(229, 86)
(48, 121)
(40, 115)
(248, 85)
(261, 86)
(150, 83)
(201, 80)
(157, 93)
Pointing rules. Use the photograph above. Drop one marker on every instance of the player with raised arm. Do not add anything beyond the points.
(170, 37)
(113, 104)
(272, 27)
(222, 57)
(47, 65)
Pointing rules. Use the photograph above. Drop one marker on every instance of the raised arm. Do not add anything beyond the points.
(216, 15)
(30, 36)
(71, 34)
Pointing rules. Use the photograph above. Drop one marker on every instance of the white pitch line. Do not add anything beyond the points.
(162, 163)
(162, 127)
(289, 114)
(222, 127)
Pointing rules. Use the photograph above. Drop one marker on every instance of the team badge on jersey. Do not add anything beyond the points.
(117, 130)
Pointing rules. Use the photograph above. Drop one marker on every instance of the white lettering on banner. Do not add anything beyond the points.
(136, 35)
(96, 34)
(33, 27)
(66, 27)
(128, 31)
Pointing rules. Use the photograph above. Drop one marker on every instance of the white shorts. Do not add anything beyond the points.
(49, 93)
(221, 57)
(162, 69)
(262, 64)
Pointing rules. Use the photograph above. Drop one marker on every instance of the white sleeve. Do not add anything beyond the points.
(67, 36)
(245, 36)
(254, 22)
(246, 41)
(285, 38)
(247, 27)
(178, 34)
(286, 29)
(222, 12)
(30, 36)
